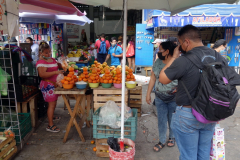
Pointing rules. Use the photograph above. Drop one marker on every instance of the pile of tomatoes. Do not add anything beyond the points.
(107, 77)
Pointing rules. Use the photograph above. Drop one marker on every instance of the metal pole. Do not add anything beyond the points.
(123, 67)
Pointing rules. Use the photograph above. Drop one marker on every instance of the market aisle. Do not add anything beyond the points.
(48, 146)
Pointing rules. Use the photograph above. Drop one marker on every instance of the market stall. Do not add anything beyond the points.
(214, 21)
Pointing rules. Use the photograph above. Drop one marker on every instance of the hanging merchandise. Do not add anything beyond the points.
(57, 45)
(4, 78)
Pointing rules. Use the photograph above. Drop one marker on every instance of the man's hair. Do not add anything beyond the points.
(113, 38)
(219, 42)
(102, 35)
(29, 38)
(191, 32)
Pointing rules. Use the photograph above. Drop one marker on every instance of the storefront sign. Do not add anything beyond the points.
(131, 30)
(150, 23)
(72, 31)
(3, 18)
(199, 21)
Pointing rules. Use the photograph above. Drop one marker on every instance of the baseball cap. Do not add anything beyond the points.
(157, 41)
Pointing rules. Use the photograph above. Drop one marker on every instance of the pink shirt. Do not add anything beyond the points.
(51, 66)
(98, 43)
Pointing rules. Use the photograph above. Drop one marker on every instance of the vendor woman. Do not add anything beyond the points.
(48, 71)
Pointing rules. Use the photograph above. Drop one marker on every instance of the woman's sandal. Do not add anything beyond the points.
(56, 118)
(159, 146)
(52, 128)
(172, 141)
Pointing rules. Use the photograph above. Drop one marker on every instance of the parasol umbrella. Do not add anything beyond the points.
(173, 6)
(57, 5)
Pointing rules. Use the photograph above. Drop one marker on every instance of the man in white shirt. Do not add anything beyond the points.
(34, 48)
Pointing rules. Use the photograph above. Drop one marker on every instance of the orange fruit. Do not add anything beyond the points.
(128, 76)
(94, 75)
(118, 82)
(107, 71)
(85, 72)
(98, 80)
(75, 79)
(87, 76)
(101, 80)
(132, 77)
(82, 75)
(94, 81)
(118, 71)
(69, 75)
(62, 81)
(114, 81)
(69, 79)
(70, 69)
(71, 82)
(65, 77)
(94, 149)
(66, 82)
(119, 79)
(80, 79)
(90, 81)
(103, 77)
(74, 76)
(95, 62)
(110, 81)
(85, 69)
(130, 70)
(107, 78)
(85, 80)
(119, 75)
(105, 81)
(115, 78)
(94, 70)
(92, 78)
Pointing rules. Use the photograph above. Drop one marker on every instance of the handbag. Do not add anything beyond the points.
(131, 51)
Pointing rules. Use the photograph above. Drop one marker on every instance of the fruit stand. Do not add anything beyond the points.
(79, 95)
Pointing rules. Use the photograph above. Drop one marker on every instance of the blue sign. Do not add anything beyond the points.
(144, 46)
(198, 21)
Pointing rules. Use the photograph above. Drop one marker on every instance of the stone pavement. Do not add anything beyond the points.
(49, 146)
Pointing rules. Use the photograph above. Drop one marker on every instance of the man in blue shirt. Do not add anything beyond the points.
(115, 52)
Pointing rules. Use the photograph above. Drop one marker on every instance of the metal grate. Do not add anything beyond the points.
(8, 105)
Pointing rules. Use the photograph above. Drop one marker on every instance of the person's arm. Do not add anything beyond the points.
(42, 71)
(96, 45)
(127, 47)
(174, 69)
(150, 87)
(108, 56)
(156, 57)
(119, 49)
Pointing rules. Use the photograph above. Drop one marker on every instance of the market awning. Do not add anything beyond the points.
(201, 16)
(34, 14)
(57, 5)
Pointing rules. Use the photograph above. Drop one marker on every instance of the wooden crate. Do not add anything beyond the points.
(102, 95)
(102, 145)
(135, 99)
(31, 103)
(11, 142)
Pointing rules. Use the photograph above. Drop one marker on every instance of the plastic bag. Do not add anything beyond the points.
(110, 115)
(63, 61)
(8, 133)
(4, 78)
(59, 78)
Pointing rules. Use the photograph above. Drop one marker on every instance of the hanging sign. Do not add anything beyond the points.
(198, 21)
(72, 31)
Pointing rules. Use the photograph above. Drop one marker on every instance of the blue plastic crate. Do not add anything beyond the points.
(104, 131)
(80, 65)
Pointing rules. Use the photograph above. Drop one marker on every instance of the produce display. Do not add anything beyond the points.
(79, 55)
(69, 80)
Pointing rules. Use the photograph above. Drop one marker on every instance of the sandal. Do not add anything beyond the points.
(52, 128)
(56, 118)
(172, 141)
(159, 146)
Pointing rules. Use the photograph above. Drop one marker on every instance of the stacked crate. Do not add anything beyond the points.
(135, 99)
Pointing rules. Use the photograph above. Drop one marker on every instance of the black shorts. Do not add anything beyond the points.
(131, 56)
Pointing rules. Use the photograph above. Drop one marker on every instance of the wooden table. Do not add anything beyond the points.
(79, 95)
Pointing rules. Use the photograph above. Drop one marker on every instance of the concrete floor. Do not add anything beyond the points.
(49, 146)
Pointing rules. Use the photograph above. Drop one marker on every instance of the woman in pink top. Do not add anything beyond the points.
(48, 71)
(131, 56)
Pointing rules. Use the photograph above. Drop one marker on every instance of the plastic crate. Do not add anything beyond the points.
(80, 65)
(25, 126)
(104, 131)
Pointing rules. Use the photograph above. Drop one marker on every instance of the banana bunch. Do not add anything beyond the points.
(78, 54)
(71, 54)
